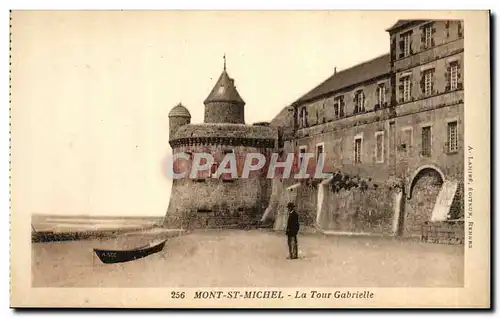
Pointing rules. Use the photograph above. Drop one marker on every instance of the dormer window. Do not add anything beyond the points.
(359, 102)
(405, 45)
(338, 106)
(303, 117)
(381, 94)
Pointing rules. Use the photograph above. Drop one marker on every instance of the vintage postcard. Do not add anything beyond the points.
(250, 159)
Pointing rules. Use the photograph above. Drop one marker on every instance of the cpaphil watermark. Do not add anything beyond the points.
(202, 165)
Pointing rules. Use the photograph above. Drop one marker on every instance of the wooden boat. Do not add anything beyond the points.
(120, 256)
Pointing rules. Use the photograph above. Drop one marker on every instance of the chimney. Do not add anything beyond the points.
(334, 70)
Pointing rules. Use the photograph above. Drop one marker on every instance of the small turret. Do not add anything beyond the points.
(224, 104)
(178, 116)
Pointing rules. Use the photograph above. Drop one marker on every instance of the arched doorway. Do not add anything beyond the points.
(422, 192)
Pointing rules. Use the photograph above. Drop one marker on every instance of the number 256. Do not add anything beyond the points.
(175, 294)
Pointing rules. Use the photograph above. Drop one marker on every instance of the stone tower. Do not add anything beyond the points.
(210, 200)
(178, 116)
(224, 104)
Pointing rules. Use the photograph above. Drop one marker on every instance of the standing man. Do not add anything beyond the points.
(292, 228)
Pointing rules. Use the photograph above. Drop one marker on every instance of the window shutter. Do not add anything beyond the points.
(459, 76)
(401, 91)
(422, 38)
(447, 28)
(386, 96)
(422, 83)
(432, 36)
(460, 30)
(355, 100)
(363, 101)
(433, 81)
(393, 49)
(411, 88)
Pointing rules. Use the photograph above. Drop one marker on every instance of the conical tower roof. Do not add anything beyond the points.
(224, 91)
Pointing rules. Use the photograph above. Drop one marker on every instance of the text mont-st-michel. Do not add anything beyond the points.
(279, 294)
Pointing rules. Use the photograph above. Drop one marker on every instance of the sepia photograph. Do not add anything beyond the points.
(276, 159)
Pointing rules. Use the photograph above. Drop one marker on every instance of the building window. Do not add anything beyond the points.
(407, 139)
(406, 44)
(428, 84)
(320, 149)
(281, 141)
(213, 169)
(452, 136)
(226, 177)
(341, 106)
(359, 102)
(454, 76)
(338, 105)
(426, 141)
(302, 151)
(428, 36)
(303, 117)
(357, 150)
(406, 89)
(381, 94)
(379, 149)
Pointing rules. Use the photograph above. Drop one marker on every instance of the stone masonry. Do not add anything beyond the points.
(206, 201)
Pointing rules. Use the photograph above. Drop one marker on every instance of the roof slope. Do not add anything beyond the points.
(351, 76)
(224, 91)
(401, 23)
(398, 24)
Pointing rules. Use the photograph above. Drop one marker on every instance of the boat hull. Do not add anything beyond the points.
(120, 256)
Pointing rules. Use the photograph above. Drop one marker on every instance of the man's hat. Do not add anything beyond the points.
(290, 205)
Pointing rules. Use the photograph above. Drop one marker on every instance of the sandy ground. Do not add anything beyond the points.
(236, 258)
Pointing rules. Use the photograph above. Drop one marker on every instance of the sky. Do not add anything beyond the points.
(91, 91)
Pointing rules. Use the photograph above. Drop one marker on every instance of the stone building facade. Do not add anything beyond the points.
(391, 130)
(395, 123)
